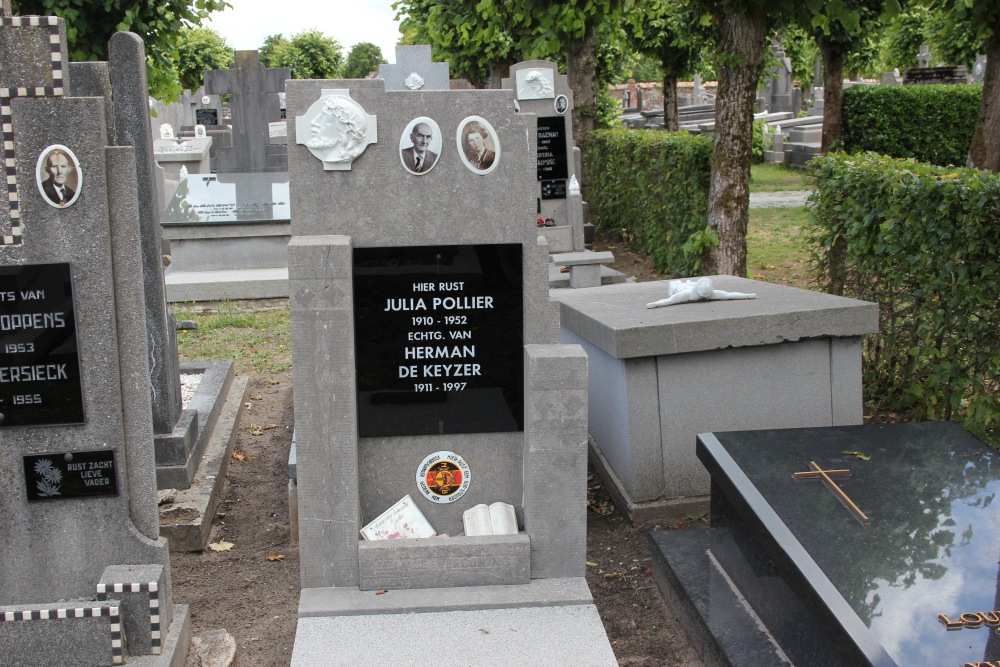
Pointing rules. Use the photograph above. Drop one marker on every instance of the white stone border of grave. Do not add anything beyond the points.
(461, 141)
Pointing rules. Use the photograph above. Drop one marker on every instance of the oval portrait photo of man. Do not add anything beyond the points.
(58, 176)
(420, 145)
(478, 144)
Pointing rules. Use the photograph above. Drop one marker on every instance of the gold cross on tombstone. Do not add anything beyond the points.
(826, 476)
(42, 77)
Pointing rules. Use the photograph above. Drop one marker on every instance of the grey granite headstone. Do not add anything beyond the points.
(253, 91)
(414, 70)
(78, 498)
(541, 90)
(128, 80)
(925, 56)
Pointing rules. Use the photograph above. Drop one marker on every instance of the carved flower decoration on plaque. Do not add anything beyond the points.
(414, 81)
(336, 129)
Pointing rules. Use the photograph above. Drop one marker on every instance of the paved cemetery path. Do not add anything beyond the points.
(787, 199)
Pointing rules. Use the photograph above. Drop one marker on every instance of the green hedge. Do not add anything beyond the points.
(928, 123)
(923, 242)
(652, 188)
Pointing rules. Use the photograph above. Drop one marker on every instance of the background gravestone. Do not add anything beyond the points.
(78, 481)
(414, 70)
(253, 91)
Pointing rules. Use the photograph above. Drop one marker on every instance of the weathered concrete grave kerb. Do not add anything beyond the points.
(187, 441)
(915, 585)
(414, 70)
(788, 358)
(254, 101)
(541, 90)
(391, 270)
(86, 579)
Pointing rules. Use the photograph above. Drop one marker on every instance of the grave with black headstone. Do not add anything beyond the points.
(426, 366)
(861, 545)
(86, 576)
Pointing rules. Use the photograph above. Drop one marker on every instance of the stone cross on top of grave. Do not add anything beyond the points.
(34, 68)
(415, 71)
(254, 90)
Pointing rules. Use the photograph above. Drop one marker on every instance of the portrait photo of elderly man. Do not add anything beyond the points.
(58, 176)
(478, 145)
(420, 145)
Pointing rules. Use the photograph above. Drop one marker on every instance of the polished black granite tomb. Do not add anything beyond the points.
(829, 589)
(228, 199)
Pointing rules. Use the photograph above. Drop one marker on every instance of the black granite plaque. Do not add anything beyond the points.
(554, 189)
(438, 339)
(39, 360)
(918, 585)
(71, 475)
(552, 148)
(229, 198)
(206, 116)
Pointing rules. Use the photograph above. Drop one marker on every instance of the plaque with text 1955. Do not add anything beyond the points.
(552, 164)
(438, 339)
(40, 380)
(71, 475)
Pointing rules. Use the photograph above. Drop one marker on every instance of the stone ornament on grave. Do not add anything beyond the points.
(535, 84)
(336, 130)
(420, 145)
(414, 81)
(478, 145)
(58, 176)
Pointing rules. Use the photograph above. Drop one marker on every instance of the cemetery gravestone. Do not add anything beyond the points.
(862, 545)
(414, 70)
(86, 577)
(254, 100)
(425, 365)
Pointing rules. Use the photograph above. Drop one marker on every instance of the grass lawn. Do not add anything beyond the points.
(259, 341)
(776, 178)
(776, 251)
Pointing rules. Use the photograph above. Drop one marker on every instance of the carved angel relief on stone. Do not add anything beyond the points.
(535, 84)
(336, 129)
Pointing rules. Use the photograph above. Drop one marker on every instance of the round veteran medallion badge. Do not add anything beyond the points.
(443, 477)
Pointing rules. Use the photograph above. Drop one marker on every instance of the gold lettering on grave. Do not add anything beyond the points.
(972, 620)
(825, 476)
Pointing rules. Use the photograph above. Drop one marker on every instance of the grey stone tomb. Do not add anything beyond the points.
(254, 101)
(414, 70)
(86, 576)
(389, 269)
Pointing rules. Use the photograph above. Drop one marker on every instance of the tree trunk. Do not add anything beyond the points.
(581, 74)
(833, 96)
(671, 121)
(741, 61)
(985, 151)
(498, 70)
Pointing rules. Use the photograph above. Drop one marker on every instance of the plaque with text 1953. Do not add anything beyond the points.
(438, 339)
(40, 380)
(206, 116)
(71, 475)
(552, 148)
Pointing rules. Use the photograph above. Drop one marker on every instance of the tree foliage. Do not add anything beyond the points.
(200, 49)
(90, 24)
(309, 54)
(363, 59)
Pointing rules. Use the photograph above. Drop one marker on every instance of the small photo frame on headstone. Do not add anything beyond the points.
(420, 145)
(58, 176)
(166, 131)
(562, 104)
(200, 132)
(478, 144)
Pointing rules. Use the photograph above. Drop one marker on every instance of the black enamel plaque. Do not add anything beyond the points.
(438, 339)
(39, 359)
(552, 148)
(71, 475)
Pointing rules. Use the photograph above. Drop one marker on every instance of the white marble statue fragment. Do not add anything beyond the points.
(535, 84)
(336, 129)
(684, 291)
(414, 81)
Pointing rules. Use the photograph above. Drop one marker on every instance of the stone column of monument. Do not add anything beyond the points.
(80, 536)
